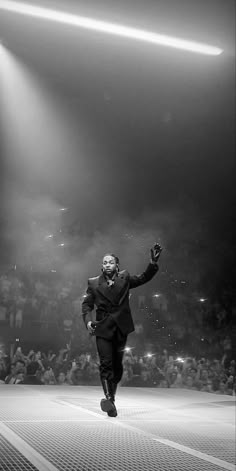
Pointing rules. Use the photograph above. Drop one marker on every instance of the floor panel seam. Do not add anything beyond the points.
(190, 451)
(26, 450)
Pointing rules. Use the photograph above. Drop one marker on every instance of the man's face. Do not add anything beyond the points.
(109, 265)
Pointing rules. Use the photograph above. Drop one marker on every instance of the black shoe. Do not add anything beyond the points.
(112, 413)
(107, 405)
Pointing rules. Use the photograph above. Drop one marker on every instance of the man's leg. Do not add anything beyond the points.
(105, 350)
(118, 346)
(117, 355)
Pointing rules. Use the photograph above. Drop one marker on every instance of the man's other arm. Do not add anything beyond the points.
(88, 305)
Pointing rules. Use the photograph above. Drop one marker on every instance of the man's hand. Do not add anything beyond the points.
(91, 327)
(155, 253)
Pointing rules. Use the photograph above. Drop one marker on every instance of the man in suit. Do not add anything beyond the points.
(109, 292)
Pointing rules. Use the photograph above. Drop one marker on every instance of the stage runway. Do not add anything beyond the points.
(62, 428)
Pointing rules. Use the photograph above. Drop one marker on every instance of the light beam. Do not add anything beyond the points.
(109, 28)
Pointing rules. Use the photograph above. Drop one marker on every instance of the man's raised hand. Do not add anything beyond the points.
(155, 253)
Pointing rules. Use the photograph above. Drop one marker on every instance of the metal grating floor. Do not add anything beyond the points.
(11, 459)
(222, 448)
(101, 446)
(155, 430)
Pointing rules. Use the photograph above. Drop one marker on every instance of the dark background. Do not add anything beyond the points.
(136, 140)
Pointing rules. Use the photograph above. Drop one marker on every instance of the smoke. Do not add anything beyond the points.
(186, 255)
(44, 158)
(35, 230)
(28, 223)
(131, 240)
(40, 159)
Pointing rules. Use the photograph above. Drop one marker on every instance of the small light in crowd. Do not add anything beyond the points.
(63, 209)
(50, 236)
(180, 359)
(202, 300)
(156, 295)
(53, 271)
(149, 355)
(128, 349)
(202, 340)
(61, 245)
(17, 340)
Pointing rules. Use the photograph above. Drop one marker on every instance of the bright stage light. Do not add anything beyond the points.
(109, 28)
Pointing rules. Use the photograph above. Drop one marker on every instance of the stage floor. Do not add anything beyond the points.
(62, 428)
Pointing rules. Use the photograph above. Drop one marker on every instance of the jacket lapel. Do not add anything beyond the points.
(114, 292)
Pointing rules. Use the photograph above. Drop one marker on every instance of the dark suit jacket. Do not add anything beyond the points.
(112, 303)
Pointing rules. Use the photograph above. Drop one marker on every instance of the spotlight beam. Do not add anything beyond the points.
(109, 28)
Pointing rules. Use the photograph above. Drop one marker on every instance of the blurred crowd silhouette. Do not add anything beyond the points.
(151, 370)
(191, 341)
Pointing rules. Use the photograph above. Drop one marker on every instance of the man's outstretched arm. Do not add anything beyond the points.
(151, 270)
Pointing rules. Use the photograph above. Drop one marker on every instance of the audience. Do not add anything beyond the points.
(31, 376)
(27, 296)
(152, 370)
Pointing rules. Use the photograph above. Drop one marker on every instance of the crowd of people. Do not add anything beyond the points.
(150, 370)
(51, 300)
(46, 298)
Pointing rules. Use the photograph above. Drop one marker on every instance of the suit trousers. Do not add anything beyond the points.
(111, 355)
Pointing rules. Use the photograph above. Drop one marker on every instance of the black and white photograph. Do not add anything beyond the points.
(117, 235)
